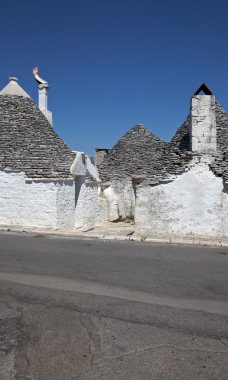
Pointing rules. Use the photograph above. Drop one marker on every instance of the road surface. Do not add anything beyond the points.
(109, 310)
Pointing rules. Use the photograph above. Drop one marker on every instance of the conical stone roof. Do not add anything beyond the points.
(139, 152)
(28, 142)
(133, 155)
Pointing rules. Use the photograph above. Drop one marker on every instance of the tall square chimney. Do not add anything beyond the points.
(203, 121)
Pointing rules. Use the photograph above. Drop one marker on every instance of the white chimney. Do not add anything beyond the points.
(43, 95)
(203, 121)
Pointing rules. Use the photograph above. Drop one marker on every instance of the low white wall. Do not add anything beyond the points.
(95, 206)
(86, 199)
(25, 202)
(195, 203)
(65, 204)
(117, 201)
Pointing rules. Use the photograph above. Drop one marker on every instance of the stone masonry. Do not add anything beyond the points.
(28, 143)
(203, 124)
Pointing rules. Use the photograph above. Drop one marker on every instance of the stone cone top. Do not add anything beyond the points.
(132, 155)
(13, 88)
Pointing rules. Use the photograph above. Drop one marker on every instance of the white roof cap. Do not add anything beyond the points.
(13, 88)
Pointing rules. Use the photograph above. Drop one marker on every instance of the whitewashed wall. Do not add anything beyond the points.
(117, 200)
(195, 203)
(65, 204)
(224, 214)
(87, 206)
(203, 124)
(95, 206)
(26, 202)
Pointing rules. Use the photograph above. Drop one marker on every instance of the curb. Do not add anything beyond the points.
(120, 237)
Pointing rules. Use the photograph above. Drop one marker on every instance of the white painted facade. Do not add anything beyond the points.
(62, 204)
(96, 205)
(87, 204)
(194, 204)
(116, 201)
(65, 203)
(30, 203)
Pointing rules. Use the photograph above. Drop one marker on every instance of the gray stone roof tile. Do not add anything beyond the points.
(28, 142)
(140, 153)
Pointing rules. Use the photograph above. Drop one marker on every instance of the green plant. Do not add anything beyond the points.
(129, 218)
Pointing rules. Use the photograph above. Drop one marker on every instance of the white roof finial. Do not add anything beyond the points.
(13, 88)
(38, 79)
(14, 79)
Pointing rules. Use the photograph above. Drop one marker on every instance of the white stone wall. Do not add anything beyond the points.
(224, 215)
(25, 202)
(195, 203)
(87, 206)
(203, 124)
(116, 201)
(95, 206)
(65, 204)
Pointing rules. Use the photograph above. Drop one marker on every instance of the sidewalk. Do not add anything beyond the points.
(118, 231)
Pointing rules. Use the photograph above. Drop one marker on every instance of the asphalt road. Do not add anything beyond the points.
(108, 310)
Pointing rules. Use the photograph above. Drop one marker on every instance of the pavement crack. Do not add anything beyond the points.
(103, 314)
(222, 341)
(94, 338)
(158, 347)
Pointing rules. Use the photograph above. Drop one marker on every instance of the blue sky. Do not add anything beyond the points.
(113, 64)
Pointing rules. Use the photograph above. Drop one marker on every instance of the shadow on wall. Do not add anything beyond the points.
(225, 188)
